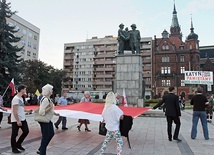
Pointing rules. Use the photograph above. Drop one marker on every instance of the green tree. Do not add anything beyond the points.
(9, 58)
(36, 74)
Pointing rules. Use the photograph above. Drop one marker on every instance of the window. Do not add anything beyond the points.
(165, 70)
(30, 35)
(23, 42)
(182, 83)
(10, 24)
(163, 82)
(165, 58)
(167, 82)
(165, 47)
(24, 32)
(35, 37)
(17, 28)
(182, 58)
(28, 53)
(190, 46)
(34, 55)
(148, 79)
(182, 70)
(34, 46)
(196, 45)
(148, 57)
(29, 44)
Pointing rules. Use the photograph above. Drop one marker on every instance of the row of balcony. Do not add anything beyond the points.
(105, 56)
(103, 76)
(104, 69)
(104, 62)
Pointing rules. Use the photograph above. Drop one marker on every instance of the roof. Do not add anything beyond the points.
(207, 51)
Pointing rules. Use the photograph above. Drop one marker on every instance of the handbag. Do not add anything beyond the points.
(43, 118)
(102, 129)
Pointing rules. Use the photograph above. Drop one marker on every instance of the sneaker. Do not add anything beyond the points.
(15, 151)
(38, 152)
(20, 148)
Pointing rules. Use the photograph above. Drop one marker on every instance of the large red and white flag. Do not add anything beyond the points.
(91, 111)
(124, 100)
(12, 86)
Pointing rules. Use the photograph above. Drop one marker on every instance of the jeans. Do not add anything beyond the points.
(47, 134)
(15, 130)
(63, 120)
(203, 118)
(176, 120)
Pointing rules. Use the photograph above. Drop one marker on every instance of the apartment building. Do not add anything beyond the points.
(146, 53)
(30, 37)
(78, 64)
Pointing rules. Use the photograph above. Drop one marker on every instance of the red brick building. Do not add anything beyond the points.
(172, 56)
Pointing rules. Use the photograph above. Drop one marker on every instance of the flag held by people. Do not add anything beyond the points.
(12, 86)
(124, 100)
(37, 92)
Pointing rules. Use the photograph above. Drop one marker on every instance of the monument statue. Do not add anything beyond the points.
(128, 40)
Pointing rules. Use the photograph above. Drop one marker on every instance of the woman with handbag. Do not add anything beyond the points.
(86, 98)
(45, 114)
(112, 115)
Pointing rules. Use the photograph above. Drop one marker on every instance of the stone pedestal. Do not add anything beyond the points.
(129, 76)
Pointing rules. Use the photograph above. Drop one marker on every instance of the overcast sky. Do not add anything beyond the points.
(66, 21)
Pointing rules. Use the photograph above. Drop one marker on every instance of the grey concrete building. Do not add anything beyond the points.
(30, 37)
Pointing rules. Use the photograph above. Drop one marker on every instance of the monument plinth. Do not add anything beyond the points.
(129, 76)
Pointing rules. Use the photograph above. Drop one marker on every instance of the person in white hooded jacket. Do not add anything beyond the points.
(112, 115)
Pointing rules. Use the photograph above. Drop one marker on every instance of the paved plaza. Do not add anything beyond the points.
(148, 137)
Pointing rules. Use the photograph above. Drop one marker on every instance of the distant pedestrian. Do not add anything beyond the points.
(46, 109)
(62, 102)
(112, 115)
(209, 108)
(199, 102)
(18, 120)
(117, 97)
(172, 113)
(86, 98)
(56, 99)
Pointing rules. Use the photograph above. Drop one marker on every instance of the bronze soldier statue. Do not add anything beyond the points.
(134, 39)
(121, 39)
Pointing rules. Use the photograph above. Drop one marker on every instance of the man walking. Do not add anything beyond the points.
(172, 113)
(18, 120)
(199, 102)
(62, 102)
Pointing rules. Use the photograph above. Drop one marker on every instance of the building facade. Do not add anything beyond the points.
(90, 65)
(30, 37)
(171, 57)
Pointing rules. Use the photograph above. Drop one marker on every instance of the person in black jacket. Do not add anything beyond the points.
(199, 102)
(172, 113)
